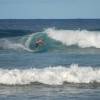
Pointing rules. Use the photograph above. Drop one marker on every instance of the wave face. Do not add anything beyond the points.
(54, 40)
(50, 75)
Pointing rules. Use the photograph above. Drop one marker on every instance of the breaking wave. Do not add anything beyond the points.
(81, 38)
(54, 40)
(51, 75)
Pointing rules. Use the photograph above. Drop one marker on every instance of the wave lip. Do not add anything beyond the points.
(50, 75)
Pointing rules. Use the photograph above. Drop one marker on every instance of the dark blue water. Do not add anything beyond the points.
(15, 27)
(65, 66)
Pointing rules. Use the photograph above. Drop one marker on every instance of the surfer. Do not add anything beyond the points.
(39, 42)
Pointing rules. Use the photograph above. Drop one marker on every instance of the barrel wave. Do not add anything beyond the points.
(54, 40)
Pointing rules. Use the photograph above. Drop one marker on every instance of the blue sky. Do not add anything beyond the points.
(54, 9)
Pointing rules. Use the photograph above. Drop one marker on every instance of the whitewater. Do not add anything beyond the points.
(50, 75)
(81, 38)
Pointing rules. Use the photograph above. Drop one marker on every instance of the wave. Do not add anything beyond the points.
(54, 40)
(27, 43)
(81, 38)
(51, 75)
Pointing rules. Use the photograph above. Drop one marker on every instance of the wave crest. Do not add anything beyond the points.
(80, 38)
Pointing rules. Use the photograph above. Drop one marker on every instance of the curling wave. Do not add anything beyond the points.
(50, 75)
(55, 40)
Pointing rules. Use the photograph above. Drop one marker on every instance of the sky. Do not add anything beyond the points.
(49, 9)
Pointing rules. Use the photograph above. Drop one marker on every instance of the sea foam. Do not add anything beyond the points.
(50, 75)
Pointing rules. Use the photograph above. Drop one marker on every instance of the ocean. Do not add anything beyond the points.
(66, 66)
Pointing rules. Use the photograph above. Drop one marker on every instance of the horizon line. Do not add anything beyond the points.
(45, 18)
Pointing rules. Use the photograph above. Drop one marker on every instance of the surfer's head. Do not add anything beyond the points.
(39, 41)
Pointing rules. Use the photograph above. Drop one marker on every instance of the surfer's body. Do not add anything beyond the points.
(39, 42)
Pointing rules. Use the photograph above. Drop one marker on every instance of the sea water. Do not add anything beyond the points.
(65, 67)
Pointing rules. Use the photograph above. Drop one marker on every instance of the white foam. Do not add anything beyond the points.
(82, 38)
(7, 44)
(50, 75)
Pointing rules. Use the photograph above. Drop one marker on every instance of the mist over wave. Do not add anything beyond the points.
(50, 75)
